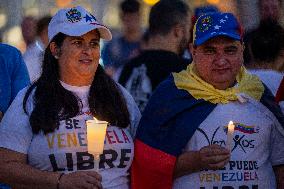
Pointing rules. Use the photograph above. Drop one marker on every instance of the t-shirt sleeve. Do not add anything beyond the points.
(277, 150)
(15, 129)
(134, 111)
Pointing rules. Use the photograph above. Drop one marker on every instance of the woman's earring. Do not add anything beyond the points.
(56, 57)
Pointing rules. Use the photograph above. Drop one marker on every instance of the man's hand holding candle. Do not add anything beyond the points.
(213, 157)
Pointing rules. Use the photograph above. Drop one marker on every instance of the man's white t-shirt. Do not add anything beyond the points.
(271, 79)
(257, 146)
(65, 150)
(33, 58)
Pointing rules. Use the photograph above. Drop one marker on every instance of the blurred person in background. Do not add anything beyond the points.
(34, 54)
(280, 95)
(120, 49)
(270, 11)
(13, 77)
(43, 133)
(182, 138)
(267, 54)
(28, 27)
(166, 39)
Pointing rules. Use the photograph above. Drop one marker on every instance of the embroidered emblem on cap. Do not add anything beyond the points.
(206, 23)
(90, 18)
(73, 15)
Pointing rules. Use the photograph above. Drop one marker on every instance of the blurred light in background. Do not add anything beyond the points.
(14, 37)
(150, 2)
(213, 1)
(63, 3)
(32, 11)
(3, 20)
(12, 11)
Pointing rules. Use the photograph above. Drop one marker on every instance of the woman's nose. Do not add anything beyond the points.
(86, 48)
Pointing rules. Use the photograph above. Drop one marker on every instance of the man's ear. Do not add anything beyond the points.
(178, 31)
(191, 48)
(243, 46)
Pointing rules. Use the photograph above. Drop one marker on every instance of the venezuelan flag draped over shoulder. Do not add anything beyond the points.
(199, 89)
(176, 109)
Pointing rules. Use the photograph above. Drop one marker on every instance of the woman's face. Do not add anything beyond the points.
(79, 58)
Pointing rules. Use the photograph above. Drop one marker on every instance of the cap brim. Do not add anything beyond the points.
(215, 34)
(104, 32)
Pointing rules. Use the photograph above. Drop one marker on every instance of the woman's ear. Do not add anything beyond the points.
(54, 49)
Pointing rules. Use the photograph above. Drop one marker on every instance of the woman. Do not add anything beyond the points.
(43, 134)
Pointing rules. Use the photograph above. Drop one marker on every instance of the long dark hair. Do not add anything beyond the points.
(53, 103)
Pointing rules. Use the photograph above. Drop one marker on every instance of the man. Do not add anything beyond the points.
(119, 50)
(270, 9)
(34, 54)
(167, 38)
(267, 54)
(13, 77)
(28, 27)
(181, 141)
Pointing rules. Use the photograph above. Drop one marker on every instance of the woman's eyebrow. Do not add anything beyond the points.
(76, 38)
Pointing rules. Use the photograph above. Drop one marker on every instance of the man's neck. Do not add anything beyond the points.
(133, 36)
(162, 43)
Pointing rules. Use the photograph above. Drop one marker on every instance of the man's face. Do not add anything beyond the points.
(218, 61)
(29, 30)
(131, 21)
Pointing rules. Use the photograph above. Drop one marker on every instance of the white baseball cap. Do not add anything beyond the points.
(75, 21)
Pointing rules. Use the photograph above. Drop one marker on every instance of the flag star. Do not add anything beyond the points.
(222, 21)
(216, 27)
(88, 18)
(226, 17)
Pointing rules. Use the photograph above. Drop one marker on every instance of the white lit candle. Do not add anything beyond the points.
(96, 131)
(231, 128)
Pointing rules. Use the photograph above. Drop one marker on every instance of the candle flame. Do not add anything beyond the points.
(230, 133)
(96, 120)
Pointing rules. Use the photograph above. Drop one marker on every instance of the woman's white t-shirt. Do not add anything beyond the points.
(65, 150)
